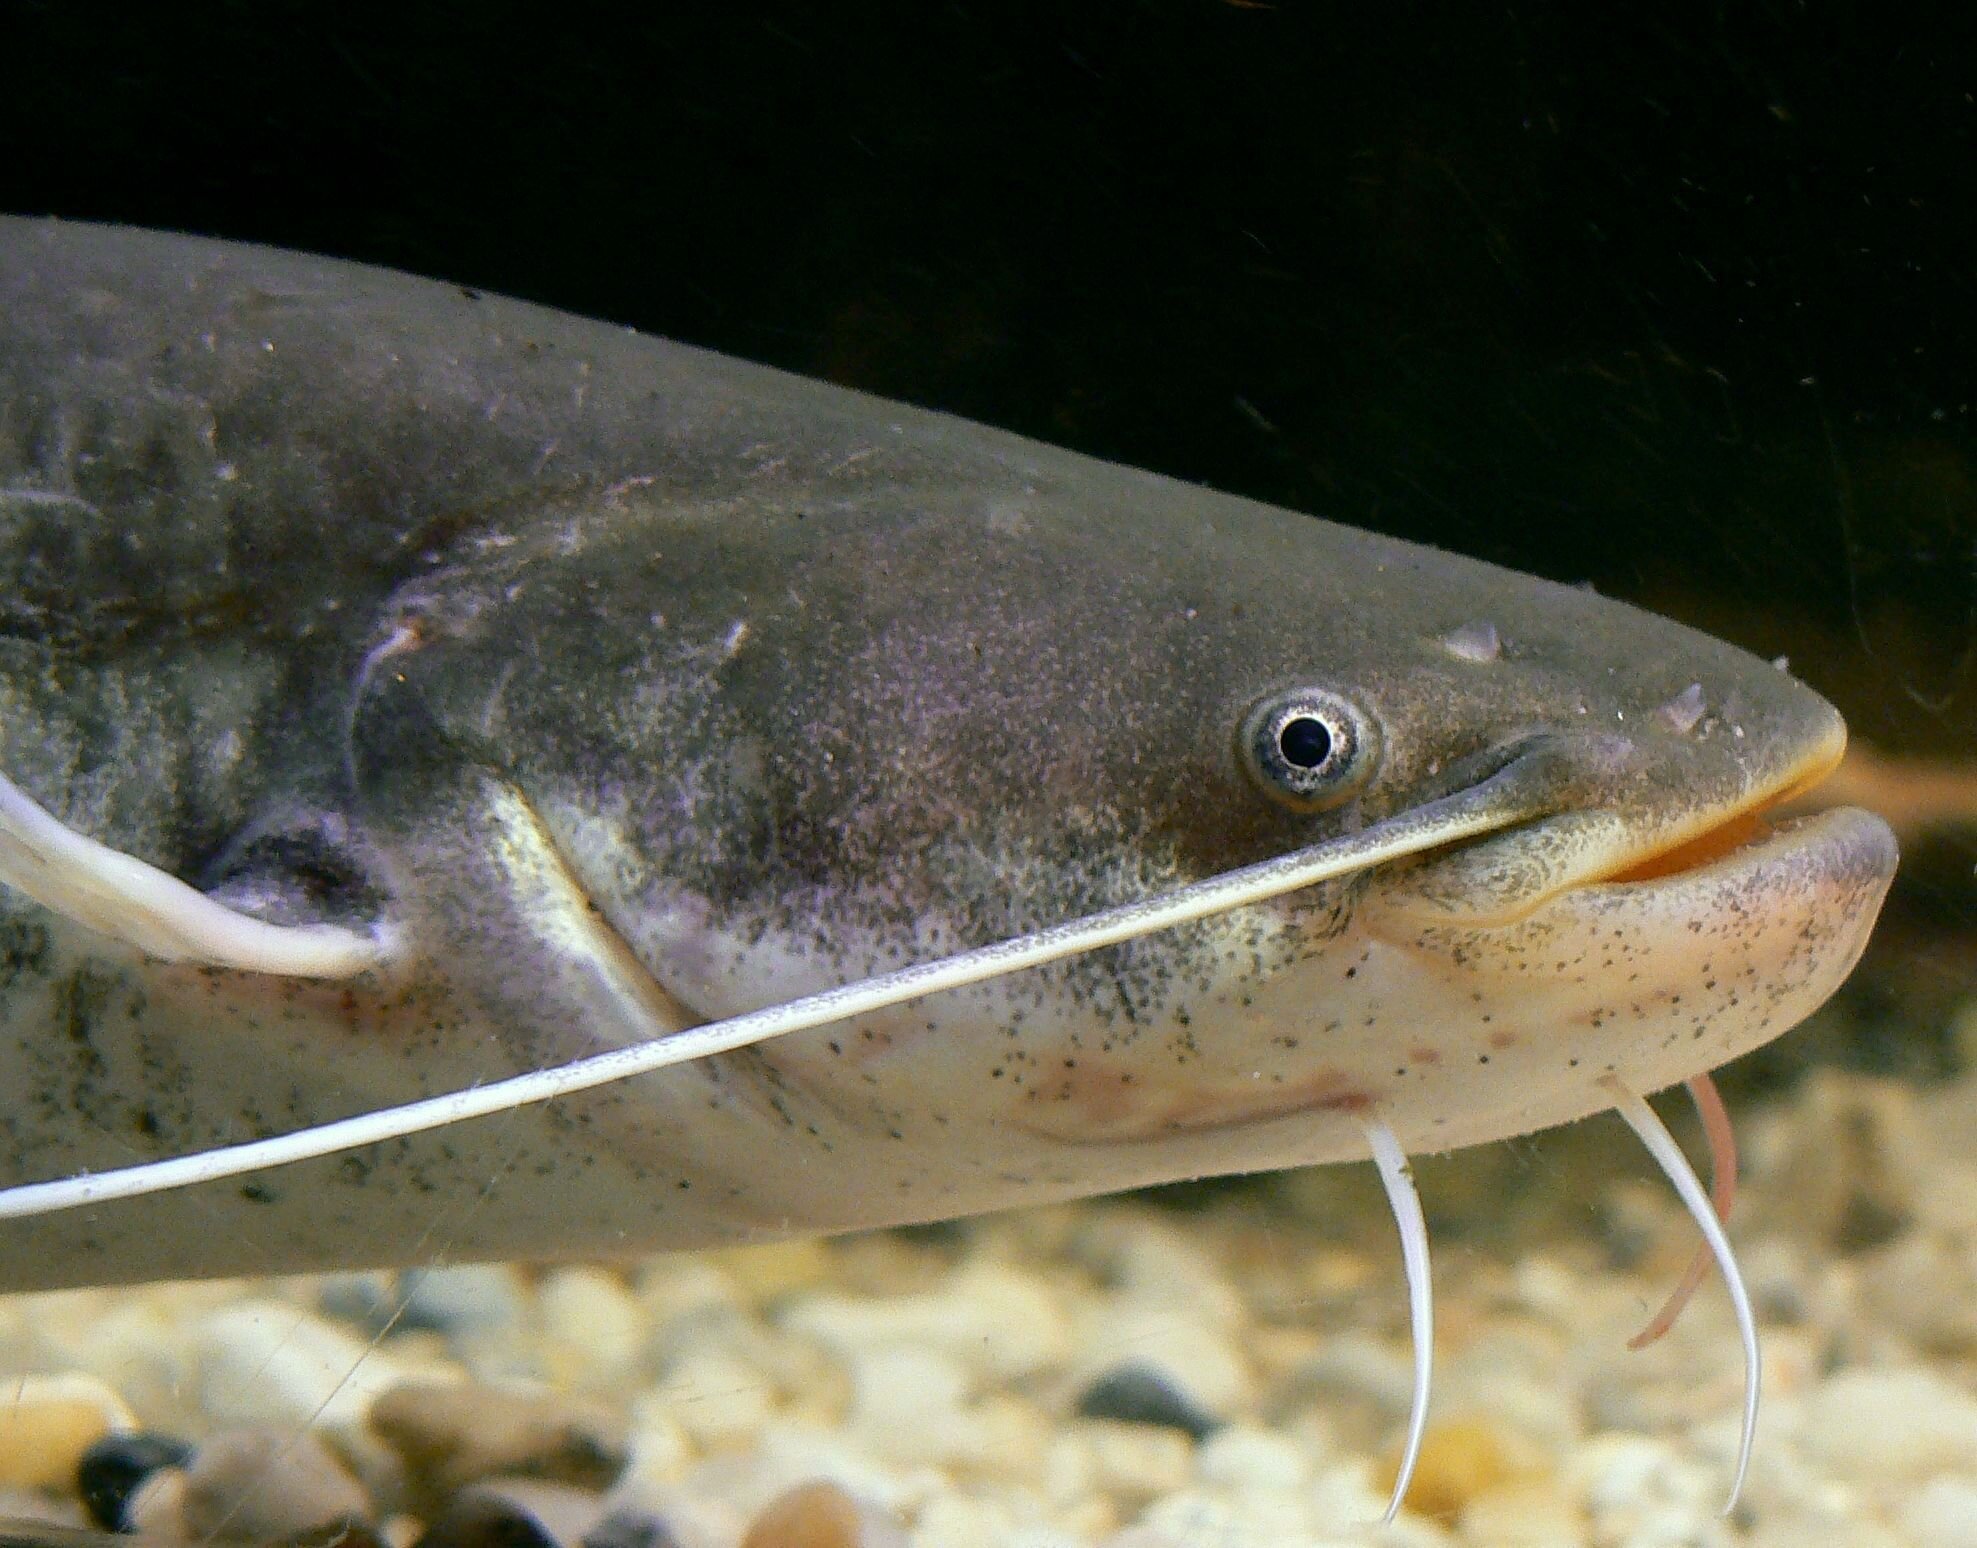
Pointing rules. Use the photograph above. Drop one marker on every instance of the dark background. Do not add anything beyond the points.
(1674, 299)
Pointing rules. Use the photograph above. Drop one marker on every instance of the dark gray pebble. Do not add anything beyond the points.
(477, 1520)
(630, 1529)
(1140, 1394)
(111, 1471)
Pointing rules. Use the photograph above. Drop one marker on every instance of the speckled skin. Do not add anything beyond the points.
(312, 577)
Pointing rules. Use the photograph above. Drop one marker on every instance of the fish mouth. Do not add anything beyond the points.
(1621, 817)
(1728, 831)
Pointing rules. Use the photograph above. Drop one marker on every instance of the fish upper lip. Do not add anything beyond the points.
(1731, 829)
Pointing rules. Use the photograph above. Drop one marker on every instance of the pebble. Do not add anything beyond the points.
(1943, 1513)
(629, 1528)
(47, 1424)
(453, 1435)
(910, 1407)
(1000, 1324)
(949, 1385)
(1858, 1158)
(474, 1520)
(263, 1485)
(1244, 1457)
(1460, 1459)
(1130, 1463)
(1150, 1261)
(1532, 1513)
(1193, 1358)
(472, 1304)
(816, 1515)
(592, 1329)
(273, 1364)
(1141, 1394)
(1896, 1426)
(717, 1399)
(519, 1513)
(1924, 1287)
(114, 1467)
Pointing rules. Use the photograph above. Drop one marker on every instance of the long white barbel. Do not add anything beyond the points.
(1501, 801)
(1397, 1177)
(1653, 1133)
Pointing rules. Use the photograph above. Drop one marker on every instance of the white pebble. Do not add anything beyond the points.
(1241, 1457)
(1000, 1324)
(717, 1400)
(1892, 1426)
(1943, 1513)
(470, 1304)
(270, 1363)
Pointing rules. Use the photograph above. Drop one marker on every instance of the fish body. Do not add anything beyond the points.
(604, 685)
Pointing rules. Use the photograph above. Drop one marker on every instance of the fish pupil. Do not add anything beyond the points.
(1305, 742)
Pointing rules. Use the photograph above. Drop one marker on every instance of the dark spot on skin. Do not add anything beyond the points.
(1502, 1039)
(257, 1193)
(1425, 1055)
(23, 949)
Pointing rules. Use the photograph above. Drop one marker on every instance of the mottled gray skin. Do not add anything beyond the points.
(305, 568)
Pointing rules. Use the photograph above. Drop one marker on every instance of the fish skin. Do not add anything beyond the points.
(519, 633)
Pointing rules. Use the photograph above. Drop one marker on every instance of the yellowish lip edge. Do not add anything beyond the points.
(1736, 828)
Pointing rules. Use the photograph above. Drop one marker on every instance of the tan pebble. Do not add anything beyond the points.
(910, 1407)
(657, 1447)
(779, 1268)
(157, 1507)
(1847, 1172)
(1086, 1521)
(32, 1505)
(592, 1328)
(1924, 1286)
(670, 1288)
(1133, 1463)
(47, 1422)
(1154, 1263)
(262, 1484)
(449, 1436)
(400, 1531)
(718, 1400)
(812, 1515)
(958, 1521)
(1460, 1459)
(1533, 1514)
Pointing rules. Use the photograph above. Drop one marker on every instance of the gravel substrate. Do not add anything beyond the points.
(1228, 1369)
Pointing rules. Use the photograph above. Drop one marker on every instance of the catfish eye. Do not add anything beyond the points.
(1309, 749)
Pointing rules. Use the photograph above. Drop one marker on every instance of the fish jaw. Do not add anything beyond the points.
(1462, 1034)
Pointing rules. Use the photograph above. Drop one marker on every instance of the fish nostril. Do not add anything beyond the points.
(1477, 641)
(1682, 713)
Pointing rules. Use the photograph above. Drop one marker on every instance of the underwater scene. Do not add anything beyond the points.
(401, 692)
